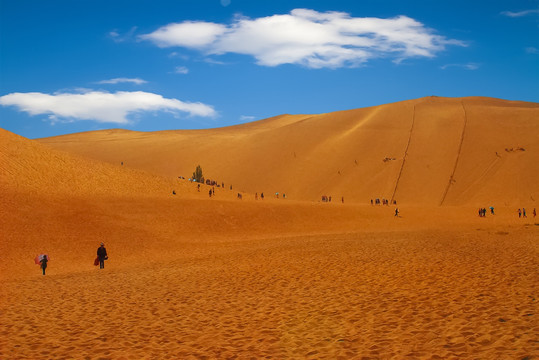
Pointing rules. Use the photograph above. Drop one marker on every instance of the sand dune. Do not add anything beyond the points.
(30, 168)
(195, 277)
(429, 151)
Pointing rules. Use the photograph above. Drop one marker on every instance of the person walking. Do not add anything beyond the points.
(102, 255)
(43, 262)
(397, 212)
(534, 212)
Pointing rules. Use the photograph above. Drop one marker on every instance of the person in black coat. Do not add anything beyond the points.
(102, 255)
(44, 261)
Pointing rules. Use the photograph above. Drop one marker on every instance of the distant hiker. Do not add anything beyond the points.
(371, 202)
(397, 212)
(492, 210)
(210, 192)
(198, 187)
(43, 263)
(230, 187)
(102, 255)
(342, 199)
(262, 196)
(534, 212)
(122, 163)
(519, 213)
(173, 192)
(524, 212)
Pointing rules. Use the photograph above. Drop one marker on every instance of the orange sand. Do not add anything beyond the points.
(194, 277)
(442, 151)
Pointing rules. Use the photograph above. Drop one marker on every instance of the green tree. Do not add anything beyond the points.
(197, 175)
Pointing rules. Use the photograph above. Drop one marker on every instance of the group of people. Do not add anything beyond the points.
(382, 202)
(100, 260)
(522, 213)
(482, 212)
(326, 198)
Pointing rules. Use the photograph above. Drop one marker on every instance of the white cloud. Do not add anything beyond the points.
(136, 81)
(181, 70)
(520, 13)
(188, 34)
(469, 66)
(532, 50)
(100, 106)
(307, 37)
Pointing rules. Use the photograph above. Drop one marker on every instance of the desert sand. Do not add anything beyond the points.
(429, 151)
(194, 277)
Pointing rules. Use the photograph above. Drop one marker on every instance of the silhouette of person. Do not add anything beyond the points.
(43, 262)
(102, 255)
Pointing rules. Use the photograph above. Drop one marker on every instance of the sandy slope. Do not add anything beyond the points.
(449, 151)
(191, 276)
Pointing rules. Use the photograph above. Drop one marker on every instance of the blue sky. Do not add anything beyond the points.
(79, 65)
